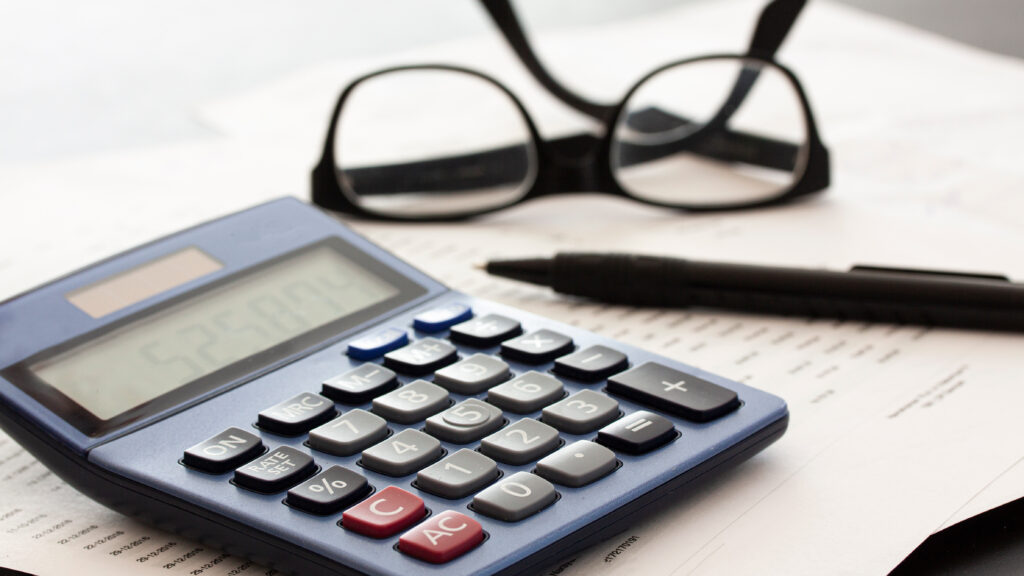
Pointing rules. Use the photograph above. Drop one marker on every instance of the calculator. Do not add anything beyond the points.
(275, 385)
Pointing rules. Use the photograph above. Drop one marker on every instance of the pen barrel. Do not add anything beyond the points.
(875, 296)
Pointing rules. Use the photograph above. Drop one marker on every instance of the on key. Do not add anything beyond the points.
(297, 415)
(225, 451)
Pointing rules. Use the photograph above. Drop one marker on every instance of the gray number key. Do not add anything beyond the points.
(458, 475)
(472, 375)
(412, 402)
(584, 411)
(348, 433)
(520, 443)
(403, 453)
(516, 497)
(527, 393)
(467, 421)
(578, 464)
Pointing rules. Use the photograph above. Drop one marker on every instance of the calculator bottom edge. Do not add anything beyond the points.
(561, 551)
(170, 513)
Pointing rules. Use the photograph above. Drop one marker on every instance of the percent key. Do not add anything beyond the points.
(329, 491)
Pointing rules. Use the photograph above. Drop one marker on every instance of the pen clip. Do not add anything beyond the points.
(963, 275)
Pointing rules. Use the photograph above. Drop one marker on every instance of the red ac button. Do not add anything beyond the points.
(385, 513)
(442, 538)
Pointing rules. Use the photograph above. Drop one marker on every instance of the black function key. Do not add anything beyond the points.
(485, 331)
(591, 364)
(421, 357)
(328, 491)
(277, 470)
(638, 433)
(225, 451)
(297, 415)
(537, 347)
(675, 392)
(361, 384)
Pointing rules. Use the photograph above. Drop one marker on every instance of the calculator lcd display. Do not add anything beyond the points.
(214, 329)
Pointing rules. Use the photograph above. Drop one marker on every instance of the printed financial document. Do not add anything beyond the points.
(896, 431)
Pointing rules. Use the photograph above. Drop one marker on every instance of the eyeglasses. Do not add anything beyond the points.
(436, 142)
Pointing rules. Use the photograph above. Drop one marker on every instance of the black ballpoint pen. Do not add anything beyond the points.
(872, 294)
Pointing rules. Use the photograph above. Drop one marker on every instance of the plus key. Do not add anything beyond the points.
(675, 392)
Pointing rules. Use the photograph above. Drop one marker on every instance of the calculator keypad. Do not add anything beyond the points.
(349, 433)
(329, 491)
(584, 411)
(403, 453)
(467, 421)
(458, 475)
(276, 470)
(473, 375)
(515, 497)
(412, 402)
(297, 415)
(360, 385)
(547, 411)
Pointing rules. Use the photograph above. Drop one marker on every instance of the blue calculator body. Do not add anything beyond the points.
(273, 384)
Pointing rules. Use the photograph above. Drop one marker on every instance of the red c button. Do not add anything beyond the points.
(385, 513)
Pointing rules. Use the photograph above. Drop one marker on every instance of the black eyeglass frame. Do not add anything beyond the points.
(582, 163)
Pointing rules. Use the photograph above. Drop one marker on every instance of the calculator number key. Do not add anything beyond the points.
(385, 513)
(638, 433)
(276, 470)
(521, 443)
(466, 422)
(473, 375)
(514, 498)
(412, 402)
(527, 393)
(225, 451)
(328, 491)
(349, 433)
(537, 347)
(578, 464)
(584, 411)
(403, 453)
(297, 415)
(485, 331)
(442, 538)
(676, 392)
(457, 475)
(421, 357)
(361, 384)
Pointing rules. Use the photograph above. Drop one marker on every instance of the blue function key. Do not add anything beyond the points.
(441, 318)
(377, 344)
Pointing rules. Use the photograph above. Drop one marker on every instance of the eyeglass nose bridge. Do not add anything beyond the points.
(571, 165)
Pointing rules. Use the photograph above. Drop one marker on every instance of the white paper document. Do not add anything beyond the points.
(895, 431)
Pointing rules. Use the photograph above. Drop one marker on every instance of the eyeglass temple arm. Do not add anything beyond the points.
(505, 18)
